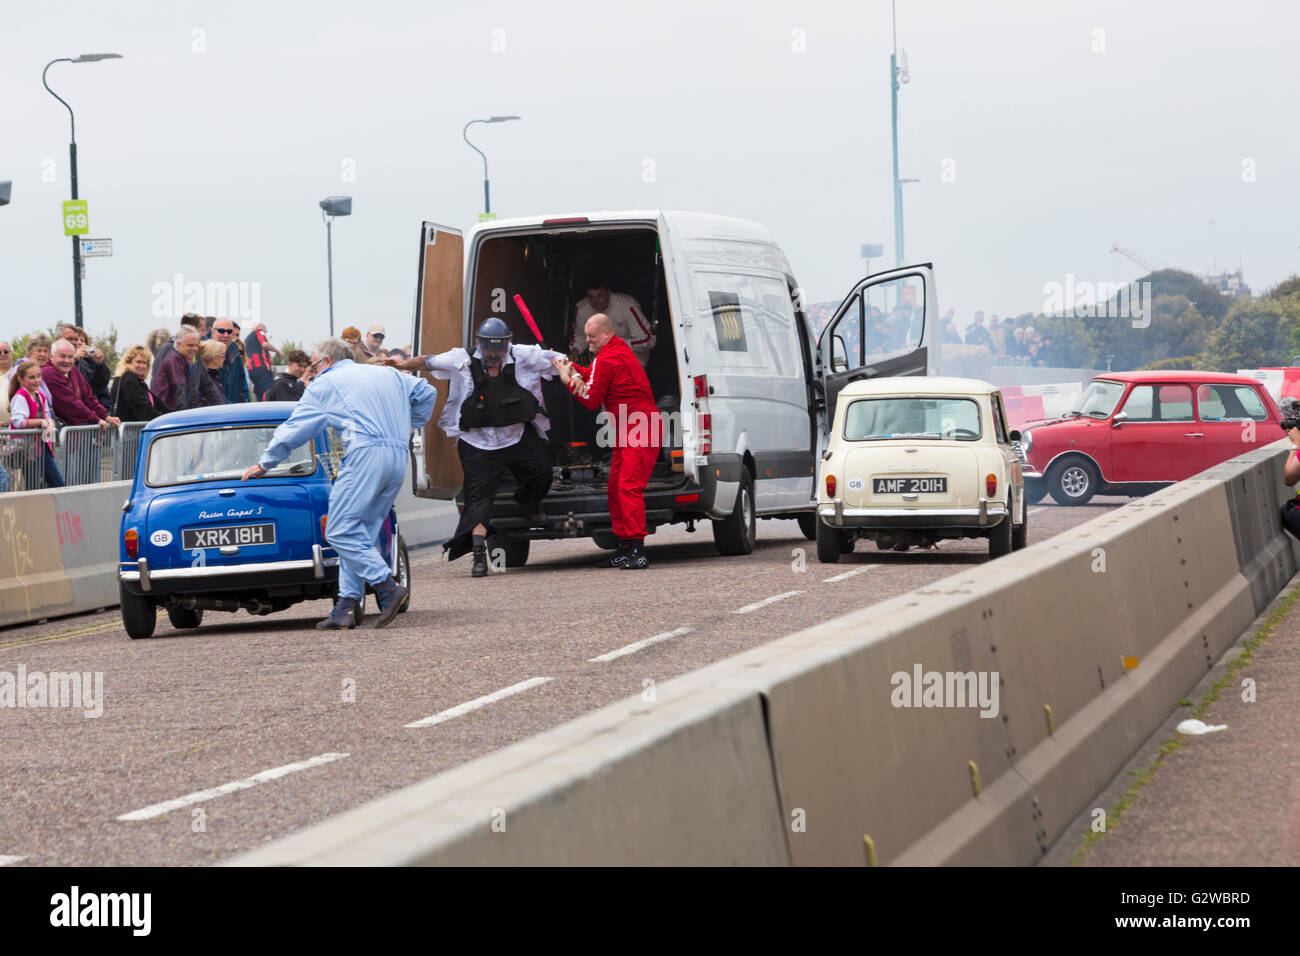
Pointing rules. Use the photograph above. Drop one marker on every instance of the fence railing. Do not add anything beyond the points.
(84, 455)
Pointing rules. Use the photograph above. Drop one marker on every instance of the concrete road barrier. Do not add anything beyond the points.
(1093, 637)
(59, 548)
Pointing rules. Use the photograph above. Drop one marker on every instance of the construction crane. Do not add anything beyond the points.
(1132, 256)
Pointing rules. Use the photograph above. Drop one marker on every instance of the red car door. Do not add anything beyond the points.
(1234, 419)
(1156, 436)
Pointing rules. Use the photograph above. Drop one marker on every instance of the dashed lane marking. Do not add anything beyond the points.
(847, 574)
(158, 809)
(462, 709)
(7, 860)
(639, 645)
(765, 602)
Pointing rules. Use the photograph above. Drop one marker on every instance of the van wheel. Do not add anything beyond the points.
(403, 571)
(808, 522)
(830, 543)
(516, 550)
(183, 617)
(139, 615)
(1073, 482)
(1020, 533)
(1000, 538)
(735, 533)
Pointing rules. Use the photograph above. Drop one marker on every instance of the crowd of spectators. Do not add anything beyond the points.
(1010, 341)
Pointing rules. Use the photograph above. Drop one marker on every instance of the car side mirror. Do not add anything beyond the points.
(839, 355)
(1014, 434)
(1119, 419)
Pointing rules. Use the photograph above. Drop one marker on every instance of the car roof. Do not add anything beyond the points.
(919, 385)
(1181, 377)
(243, 413)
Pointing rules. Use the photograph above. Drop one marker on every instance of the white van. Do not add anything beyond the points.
(737, 369)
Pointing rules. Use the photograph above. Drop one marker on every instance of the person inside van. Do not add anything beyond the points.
(628, 318)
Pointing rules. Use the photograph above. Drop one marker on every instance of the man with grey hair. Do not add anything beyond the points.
(177, 379)
(374, 409)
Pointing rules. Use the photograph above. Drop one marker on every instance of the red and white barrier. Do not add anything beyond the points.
(1026, 403)
(1280, 382)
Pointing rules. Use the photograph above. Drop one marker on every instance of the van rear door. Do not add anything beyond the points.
(886, 327)
(439, 299)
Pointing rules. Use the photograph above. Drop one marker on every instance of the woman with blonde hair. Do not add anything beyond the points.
(212, 356)
(131, 399)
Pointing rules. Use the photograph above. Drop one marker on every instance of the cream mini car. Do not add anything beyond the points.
(913, 460)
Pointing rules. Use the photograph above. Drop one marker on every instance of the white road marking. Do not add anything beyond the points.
(848, 574)
(6, 860)
(766, 601)
(465, 708)
(638, 645)
(158, 809)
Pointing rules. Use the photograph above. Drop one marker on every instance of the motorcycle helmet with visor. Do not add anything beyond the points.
(493, 341)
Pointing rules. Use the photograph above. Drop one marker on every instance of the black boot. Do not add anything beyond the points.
(636, 559)
(480, 568)
(618, 560)
(392, 598)
(345, 616)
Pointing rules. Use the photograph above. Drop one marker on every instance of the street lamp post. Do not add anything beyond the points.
(897, 74)
(72, 157)
(330, 207)
(487, 199)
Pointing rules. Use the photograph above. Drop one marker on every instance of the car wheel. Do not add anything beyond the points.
(1073, 482)
(830, 543)
(1020, 533)
(1000, 538)
(183, 617)
(516, 550)
(1035, 490)
(735, 533)
(808, 524)
(403, 570)
(139, 614)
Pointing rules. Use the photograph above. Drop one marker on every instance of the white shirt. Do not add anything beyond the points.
(532, 364)
(629, 321)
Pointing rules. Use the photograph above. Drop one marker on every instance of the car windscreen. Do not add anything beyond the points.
(1099, 399)
(935, 419)
(219, 454)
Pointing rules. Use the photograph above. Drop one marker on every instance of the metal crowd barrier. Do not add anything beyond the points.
(86, 454)
(22, 466)
(128, 447)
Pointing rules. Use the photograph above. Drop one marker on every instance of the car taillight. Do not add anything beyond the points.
(830, 486)
(323, 519)
(701, 386)
(991, 484)
(706, 434)
(132, 541)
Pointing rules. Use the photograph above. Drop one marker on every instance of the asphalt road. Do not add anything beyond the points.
(216, 740)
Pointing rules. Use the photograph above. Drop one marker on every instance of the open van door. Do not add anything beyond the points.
(439, 320)
(886, 327)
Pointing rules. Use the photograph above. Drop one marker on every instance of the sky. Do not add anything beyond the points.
(1041, 133)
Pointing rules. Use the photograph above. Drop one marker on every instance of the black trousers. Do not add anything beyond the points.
(1291, 516)
(528, 461)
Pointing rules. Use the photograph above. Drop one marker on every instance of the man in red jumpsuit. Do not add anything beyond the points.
(617, 381)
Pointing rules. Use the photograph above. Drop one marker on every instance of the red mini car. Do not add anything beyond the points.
(1134, 431)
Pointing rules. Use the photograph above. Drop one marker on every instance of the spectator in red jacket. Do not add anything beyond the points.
(617, 381)
(74, 402)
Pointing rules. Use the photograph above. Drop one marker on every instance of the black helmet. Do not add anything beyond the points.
(493, 340)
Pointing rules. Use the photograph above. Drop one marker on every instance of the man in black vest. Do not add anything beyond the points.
(495, 408)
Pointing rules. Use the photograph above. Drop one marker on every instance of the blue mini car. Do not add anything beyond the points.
(196, 538)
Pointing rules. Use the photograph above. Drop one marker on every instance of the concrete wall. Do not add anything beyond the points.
(1167, 583)
(58, 548)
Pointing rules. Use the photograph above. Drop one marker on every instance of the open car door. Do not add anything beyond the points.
(435, 465)
(886, 327)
